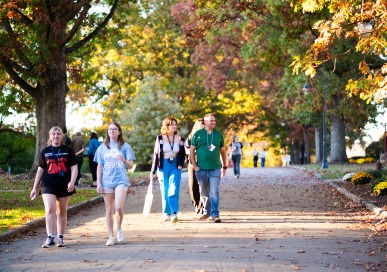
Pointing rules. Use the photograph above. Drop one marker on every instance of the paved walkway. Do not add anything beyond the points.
(274, 219)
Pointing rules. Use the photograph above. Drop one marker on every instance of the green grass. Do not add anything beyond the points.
(16, 208)
(337, 171)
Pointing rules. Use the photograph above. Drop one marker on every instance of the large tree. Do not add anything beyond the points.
(38, 38)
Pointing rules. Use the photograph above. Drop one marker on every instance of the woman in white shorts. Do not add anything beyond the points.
(114, 156)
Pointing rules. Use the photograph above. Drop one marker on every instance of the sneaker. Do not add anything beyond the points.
(204, 217)
(60, 242)
(238, 176)
(166, 217)
(174, 218)
(49, 242)
(110, 242)
(120, 236)
(217, 219)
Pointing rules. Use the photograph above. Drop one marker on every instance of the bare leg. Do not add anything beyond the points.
(61, 213)
(119, 207)
(109, 207)
(49, 206)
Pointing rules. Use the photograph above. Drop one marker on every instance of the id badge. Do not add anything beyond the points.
(211, 147)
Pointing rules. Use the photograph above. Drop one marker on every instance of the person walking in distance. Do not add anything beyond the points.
(168, 160)
(193, 184)
(78, 146)
(237, 152)
(263, 157)
(255, 157)
(210, 165)
(114, 156)
(93, 146)
(57, 172)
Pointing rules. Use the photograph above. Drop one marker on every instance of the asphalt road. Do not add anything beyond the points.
(274, 219)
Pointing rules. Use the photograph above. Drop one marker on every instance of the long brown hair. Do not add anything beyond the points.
(166, 123)
(120, 139)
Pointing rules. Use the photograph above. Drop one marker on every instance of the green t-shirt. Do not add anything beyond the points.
(207, 159)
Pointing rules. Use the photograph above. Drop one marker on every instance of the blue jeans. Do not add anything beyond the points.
(209, 181)
(169, 178)
(262, 162)
(236, 160)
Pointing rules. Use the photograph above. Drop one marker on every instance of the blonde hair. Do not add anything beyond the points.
(51, 132)
(166, 123)
(198, 125)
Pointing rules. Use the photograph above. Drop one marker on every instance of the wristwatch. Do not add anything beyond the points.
(224, 167)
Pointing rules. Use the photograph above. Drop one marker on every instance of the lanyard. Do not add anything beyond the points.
(56, 155)
(173, 141)
(212, 136)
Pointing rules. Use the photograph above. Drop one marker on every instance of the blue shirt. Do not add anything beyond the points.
(93, 145)
(114, 170)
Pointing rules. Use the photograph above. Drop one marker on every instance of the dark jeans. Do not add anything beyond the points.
(93, 167)
(80, 163)
(236, 159)
(255, 160)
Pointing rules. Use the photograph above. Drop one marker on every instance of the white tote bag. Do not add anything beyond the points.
(148, 199)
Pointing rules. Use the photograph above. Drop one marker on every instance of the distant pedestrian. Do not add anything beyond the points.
(236, 155)
(79, 146)
(210, 165)
(66, 139)
(168, 160)
(193, 184)
(114, 156)
(93, 145)
(57, 172)
(255, 157)
(263, 157)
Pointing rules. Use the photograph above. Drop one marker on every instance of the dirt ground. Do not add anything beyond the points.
(274, 219)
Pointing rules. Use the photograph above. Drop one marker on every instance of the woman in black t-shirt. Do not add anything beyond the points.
(57, 173)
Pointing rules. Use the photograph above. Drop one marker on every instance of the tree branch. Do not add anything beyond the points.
(93, 34)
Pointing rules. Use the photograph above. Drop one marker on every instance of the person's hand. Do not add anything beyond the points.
(223, 173)
(70, 186)
(196, 168)
(33, 194)
(179, 167)
(99, 188)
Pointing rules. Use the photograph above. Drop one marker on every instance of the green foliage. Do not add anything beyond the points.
(143, 117)
(378, 174)
(380, 188)
(375, 149)
(361, 178)
(16, 150)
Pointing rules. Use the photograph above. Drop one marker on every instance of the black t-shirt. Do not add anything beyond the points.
(54, 161)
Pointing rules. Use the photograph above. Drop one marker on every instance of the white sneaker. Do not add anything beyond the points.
(120, 236)
(110, 242)
(166, 217)
(174, 218)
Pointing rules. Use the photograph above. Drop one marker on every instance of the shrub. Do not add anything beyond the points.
(360, 161)
(369, 160)
(361, 178)
(378, 173)
(380, 188)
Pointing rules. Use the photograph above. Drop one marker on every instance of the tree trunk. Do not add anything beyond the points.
(50, 104)
(318, 144)
(338, 146)
(307, 145)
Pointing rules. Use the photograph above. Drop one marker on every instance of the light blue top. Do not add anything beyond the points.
(114, 170)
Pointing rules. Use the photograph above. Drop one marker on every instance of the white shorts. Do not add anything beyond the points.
(109, 190)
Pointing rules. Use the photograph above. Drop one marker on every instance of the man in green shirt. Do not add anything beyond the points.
(210, 165)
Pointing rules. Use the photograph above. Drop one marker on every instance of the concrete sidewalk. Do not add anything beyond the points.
(274, 219)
